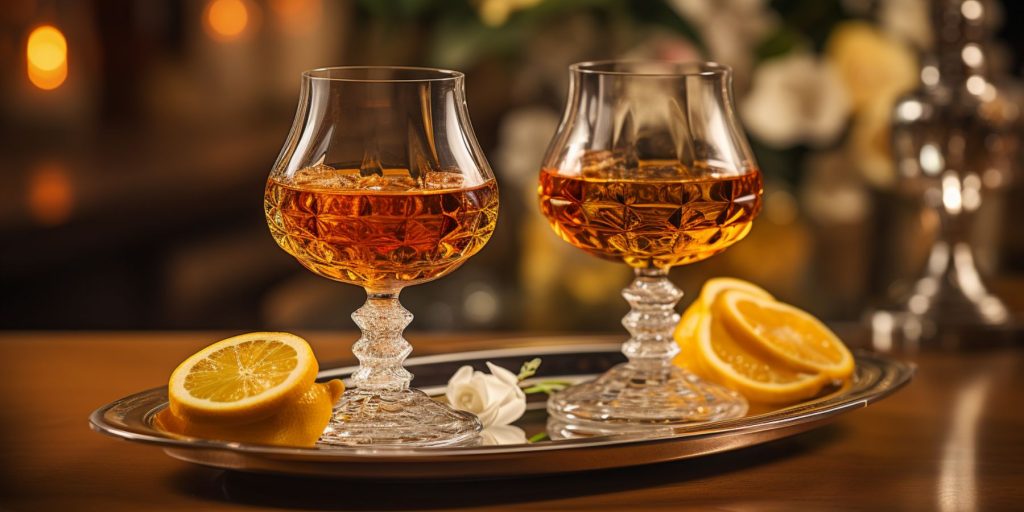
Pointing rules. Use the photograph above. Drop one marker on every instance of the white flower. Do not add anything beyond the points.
(795, 99)
(496, 399)
(502, 434)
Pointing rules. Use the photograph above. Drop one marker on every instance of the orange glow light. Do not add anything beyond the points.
(226, 19)
(47, 57)
(50, 194)
(296, 16)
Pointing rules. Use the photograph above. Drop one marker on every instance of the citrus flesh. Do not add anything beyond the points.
(686, 332)
(785, 332)
(736, 334)
(723, 359)
(243, 378)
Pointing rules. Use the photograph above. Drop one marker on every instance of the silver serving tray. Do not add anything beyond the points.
(877, 376)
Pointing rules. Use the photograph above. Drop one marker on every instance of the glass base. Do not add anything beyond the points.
(631, 398)
(407, 418)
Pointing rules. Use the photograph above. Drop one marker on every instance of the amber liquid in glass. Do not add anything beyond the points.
(659, 215)
(380, 231)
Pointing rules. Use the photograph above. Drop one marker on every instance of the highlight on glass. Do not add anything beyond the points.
(382, 184)
(650, 168)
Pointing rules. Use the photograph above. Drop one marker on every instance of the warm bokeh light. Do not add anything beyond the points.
(47, 49)
(46, 55)
(226, 19)
(296, 15)
(50, 194)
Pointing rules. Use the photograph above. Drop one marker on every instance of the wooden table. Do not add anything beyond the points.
(952, 440)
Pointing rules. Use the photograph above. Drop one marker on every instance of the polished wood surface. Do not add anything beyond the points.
(952, 440)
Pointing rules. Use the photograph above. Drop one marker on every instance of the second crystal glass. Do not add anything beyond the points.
(650, 168)
(381, 184)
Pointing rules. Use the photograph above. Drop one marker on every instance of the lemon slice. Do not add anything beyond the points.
(787, 333)
(243, 378)
(723, 359)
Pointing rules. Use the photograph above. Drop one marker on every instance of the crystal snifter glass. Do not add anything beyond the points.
(382, 184)
(649, 168)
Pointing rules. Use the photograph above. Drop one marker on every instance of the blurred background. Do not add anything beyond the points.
(137, 137)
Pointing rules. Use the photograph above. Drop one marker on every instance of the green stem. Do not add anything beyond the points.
(547, 387)
(537, 437)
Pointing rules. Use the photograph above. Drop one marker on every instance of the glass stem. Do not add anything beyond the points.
(652, 318)
(381, 349)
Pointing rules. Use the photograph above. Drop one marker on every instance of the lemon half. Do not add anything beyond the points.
(299, 423)
(243, 378)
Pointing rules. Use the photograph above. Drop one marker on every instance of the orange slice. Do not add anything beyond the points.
(717, 285)
(685, 336)
(787, 333)
(686, 332)
(759, 378)
(243, 378)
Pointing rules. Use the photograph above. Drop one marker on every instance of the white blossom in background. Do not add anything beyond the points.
(796, 99)
(908, 20)
(495, 398)
(731, 29)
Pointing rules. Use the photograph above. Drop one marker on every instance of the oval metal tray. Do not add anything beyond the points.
(877, 376)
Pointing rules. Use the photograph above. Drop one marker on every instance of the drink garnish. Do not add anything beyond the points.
(738, 335)
(257, 387)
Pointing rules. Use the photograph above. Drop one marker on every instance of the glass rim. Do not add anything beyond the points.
(330, 74)
(667, 68)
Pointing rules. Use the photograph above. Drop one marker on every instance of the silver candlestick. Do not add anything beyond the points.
(955, 143)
